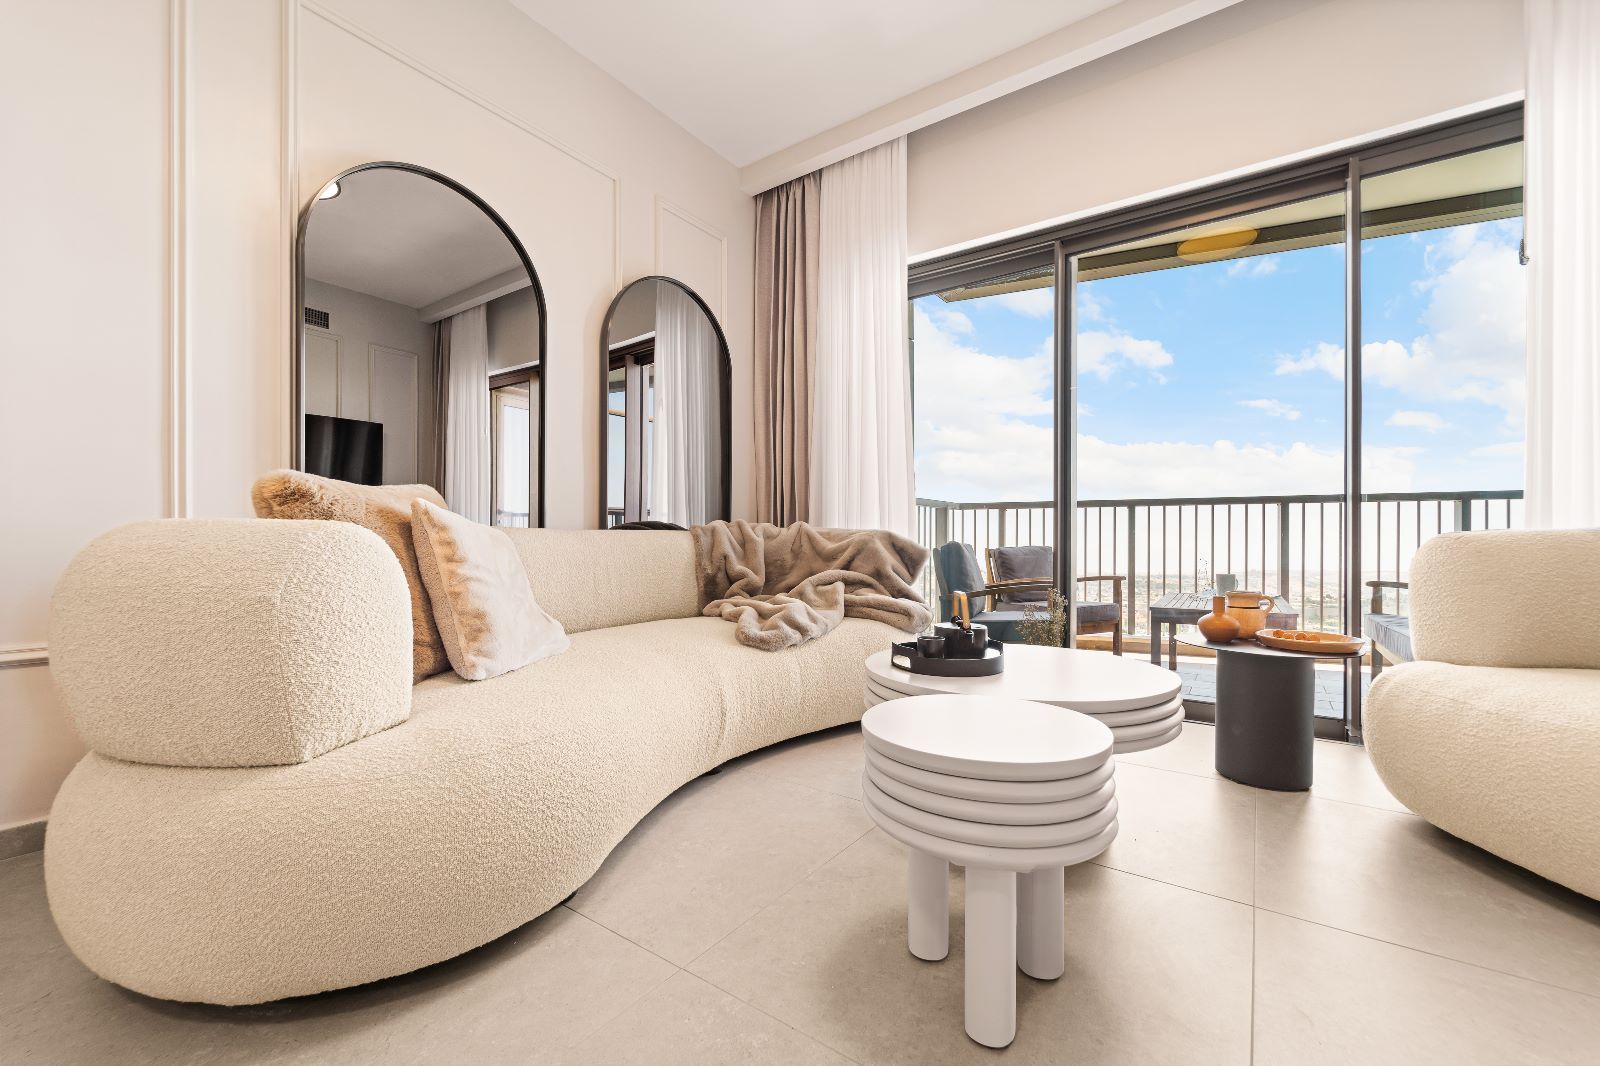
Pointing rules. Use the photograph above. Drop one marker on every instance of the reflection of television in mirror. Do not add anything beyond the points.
(347, 449)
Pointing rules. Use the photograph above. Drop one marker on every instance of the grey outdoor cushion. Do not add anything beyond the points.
(1032, 562)
(1099, 612)
(1393, 632)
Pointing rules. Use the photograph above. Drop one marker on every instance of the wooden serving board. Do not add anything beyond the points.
(1322, 644)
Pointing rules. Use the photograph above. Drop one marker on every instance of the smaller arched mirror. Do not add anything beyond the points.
(664, 406)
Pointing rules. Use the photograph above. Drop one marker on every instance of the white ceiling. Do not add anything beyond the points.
(405, 238)
(750, 78)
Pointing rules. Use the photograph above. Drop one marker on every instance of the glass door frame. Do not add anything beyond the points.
(1333, 172)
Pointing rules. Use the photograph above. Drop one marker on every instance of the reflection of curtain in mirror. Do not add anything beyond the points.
(686, 455)
(466, 425)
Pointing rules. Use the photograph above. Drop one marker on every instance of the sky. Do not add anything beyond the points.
(1225, 379)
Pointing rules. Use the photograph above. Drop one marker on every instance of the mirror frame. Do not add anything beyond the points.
(297, 312)
(726, 390)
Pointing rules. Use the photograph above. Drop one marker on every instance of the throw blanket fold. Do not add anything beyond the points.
(784, 586)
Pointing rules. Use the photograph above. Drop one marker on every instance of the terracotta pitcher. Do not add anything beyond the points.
(1250, 610)
(1218, 626)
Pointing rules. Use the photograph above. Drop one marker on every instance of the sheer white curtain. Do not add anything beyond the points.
(685, 452)
(1563, 245)
(466, 447)
(861, 465)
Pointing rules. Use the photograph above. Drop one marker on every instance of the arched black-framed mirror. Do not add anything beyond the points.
(665, 416)
(420, 333)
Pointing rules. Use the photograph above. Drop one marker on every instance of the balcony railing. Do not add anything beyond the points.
(1288, 545)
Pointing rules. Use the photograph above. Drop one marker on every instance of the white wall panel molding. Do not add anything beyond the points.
(443, 79)
(179, 438)
(666, 209)
(15, 655)
(288, 222)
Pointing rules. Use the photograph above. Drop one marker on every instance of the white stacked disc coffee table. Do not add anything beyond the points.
(1140, 703)
(1013, 791)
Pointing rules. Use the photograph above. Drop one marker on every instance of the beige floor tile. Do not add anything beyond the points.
(830, 761)
(1155, 973)
(549, 984)
(1186, 830)
(1325, 996)
(712, 855)
(1394, 877)
(687, 1022)
(1339, 771)
(1344, 772)
(1193, 752)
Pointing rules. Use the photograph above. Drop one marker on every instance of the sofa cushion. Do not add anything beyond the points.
(1099, 612)
(231, 642)
(1504, 758)
(590, 578)
(486, 612)
(384, 509)
(496, 800)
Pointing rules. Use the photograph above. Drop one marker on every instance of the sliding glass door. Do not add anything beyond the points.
(1442, 369)
(1205, 460)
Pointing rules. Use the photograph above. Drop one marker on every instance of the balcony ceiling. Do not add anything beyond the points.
(749, 79)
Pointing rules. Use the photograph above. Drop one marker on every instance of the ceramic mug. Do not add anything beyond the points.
(930, 646)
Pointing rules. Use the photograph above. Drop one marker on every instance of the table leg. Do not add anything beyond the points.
(991, 956)
(1041, 923)
(1172, 646)
(1265, 726)
(928, 910)
(1155, 642)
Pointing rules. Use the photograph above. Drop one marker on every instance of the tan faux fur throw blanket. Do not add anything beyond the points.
(784, 586)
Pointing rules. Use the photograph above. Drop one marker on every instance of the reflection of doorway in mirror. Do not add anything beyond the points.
(512, 427)
(322, 372)
(392, 401)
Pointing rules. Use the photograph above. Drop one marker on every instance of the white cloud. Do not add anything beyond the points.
(1154, 469)
(1258, 266)
(952, 320)
(1424, 420)
(1474, 347)
(982, 421)
(1035, 303)
(1505, 449)
(1091, 308)
(1275, 408)
(1102, 352)
(1329, 358)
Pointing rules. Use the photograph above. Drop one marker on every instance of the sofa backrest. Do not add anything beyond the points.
(231, 642)
(596, 578)
(1523, 598)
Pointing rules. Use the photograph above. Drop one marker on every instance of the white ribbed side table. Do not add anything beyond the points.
(1141, 704)
(1015, 792)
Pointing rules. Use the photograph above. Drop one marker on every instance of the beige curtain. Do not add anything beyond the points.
(788, 221)
(441, 402)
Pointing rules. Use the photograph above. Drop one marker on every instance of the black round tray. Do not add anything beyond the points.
(992, 662)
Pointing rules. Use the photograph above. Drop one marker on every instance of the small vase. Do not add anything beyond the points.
(1218, 627)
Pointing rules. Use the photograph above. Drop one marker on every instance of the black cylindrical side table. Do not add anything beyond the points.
(1266, 700)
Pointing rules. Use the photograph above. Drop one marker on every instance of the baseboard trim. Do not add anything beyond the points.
(21, 839)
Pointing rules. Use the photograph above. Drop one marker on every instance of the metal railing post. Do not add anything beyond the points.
(1132, 621)
(1283, 549)
(1463, 515)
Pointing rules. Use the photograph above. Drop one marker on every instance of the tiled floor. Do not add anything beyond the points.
(1225, 925)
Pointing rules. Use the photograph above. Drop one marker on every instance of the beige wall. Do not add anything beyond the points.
(167, 188)
(1251, 84)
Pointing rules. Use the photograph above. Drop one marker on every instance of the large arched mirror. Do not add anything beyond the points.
(421, 342)
(664, 406)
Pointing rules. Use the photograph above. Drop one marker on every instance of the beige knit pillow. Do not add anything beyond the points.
(384, 509)
(486, 612)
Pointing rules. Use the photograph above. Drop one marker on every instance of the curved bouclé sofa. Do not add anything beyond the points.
(1493, 733)
(270, 808)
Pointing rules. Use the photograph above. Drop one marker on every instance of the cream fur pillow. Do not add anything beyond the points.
(485, 610)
